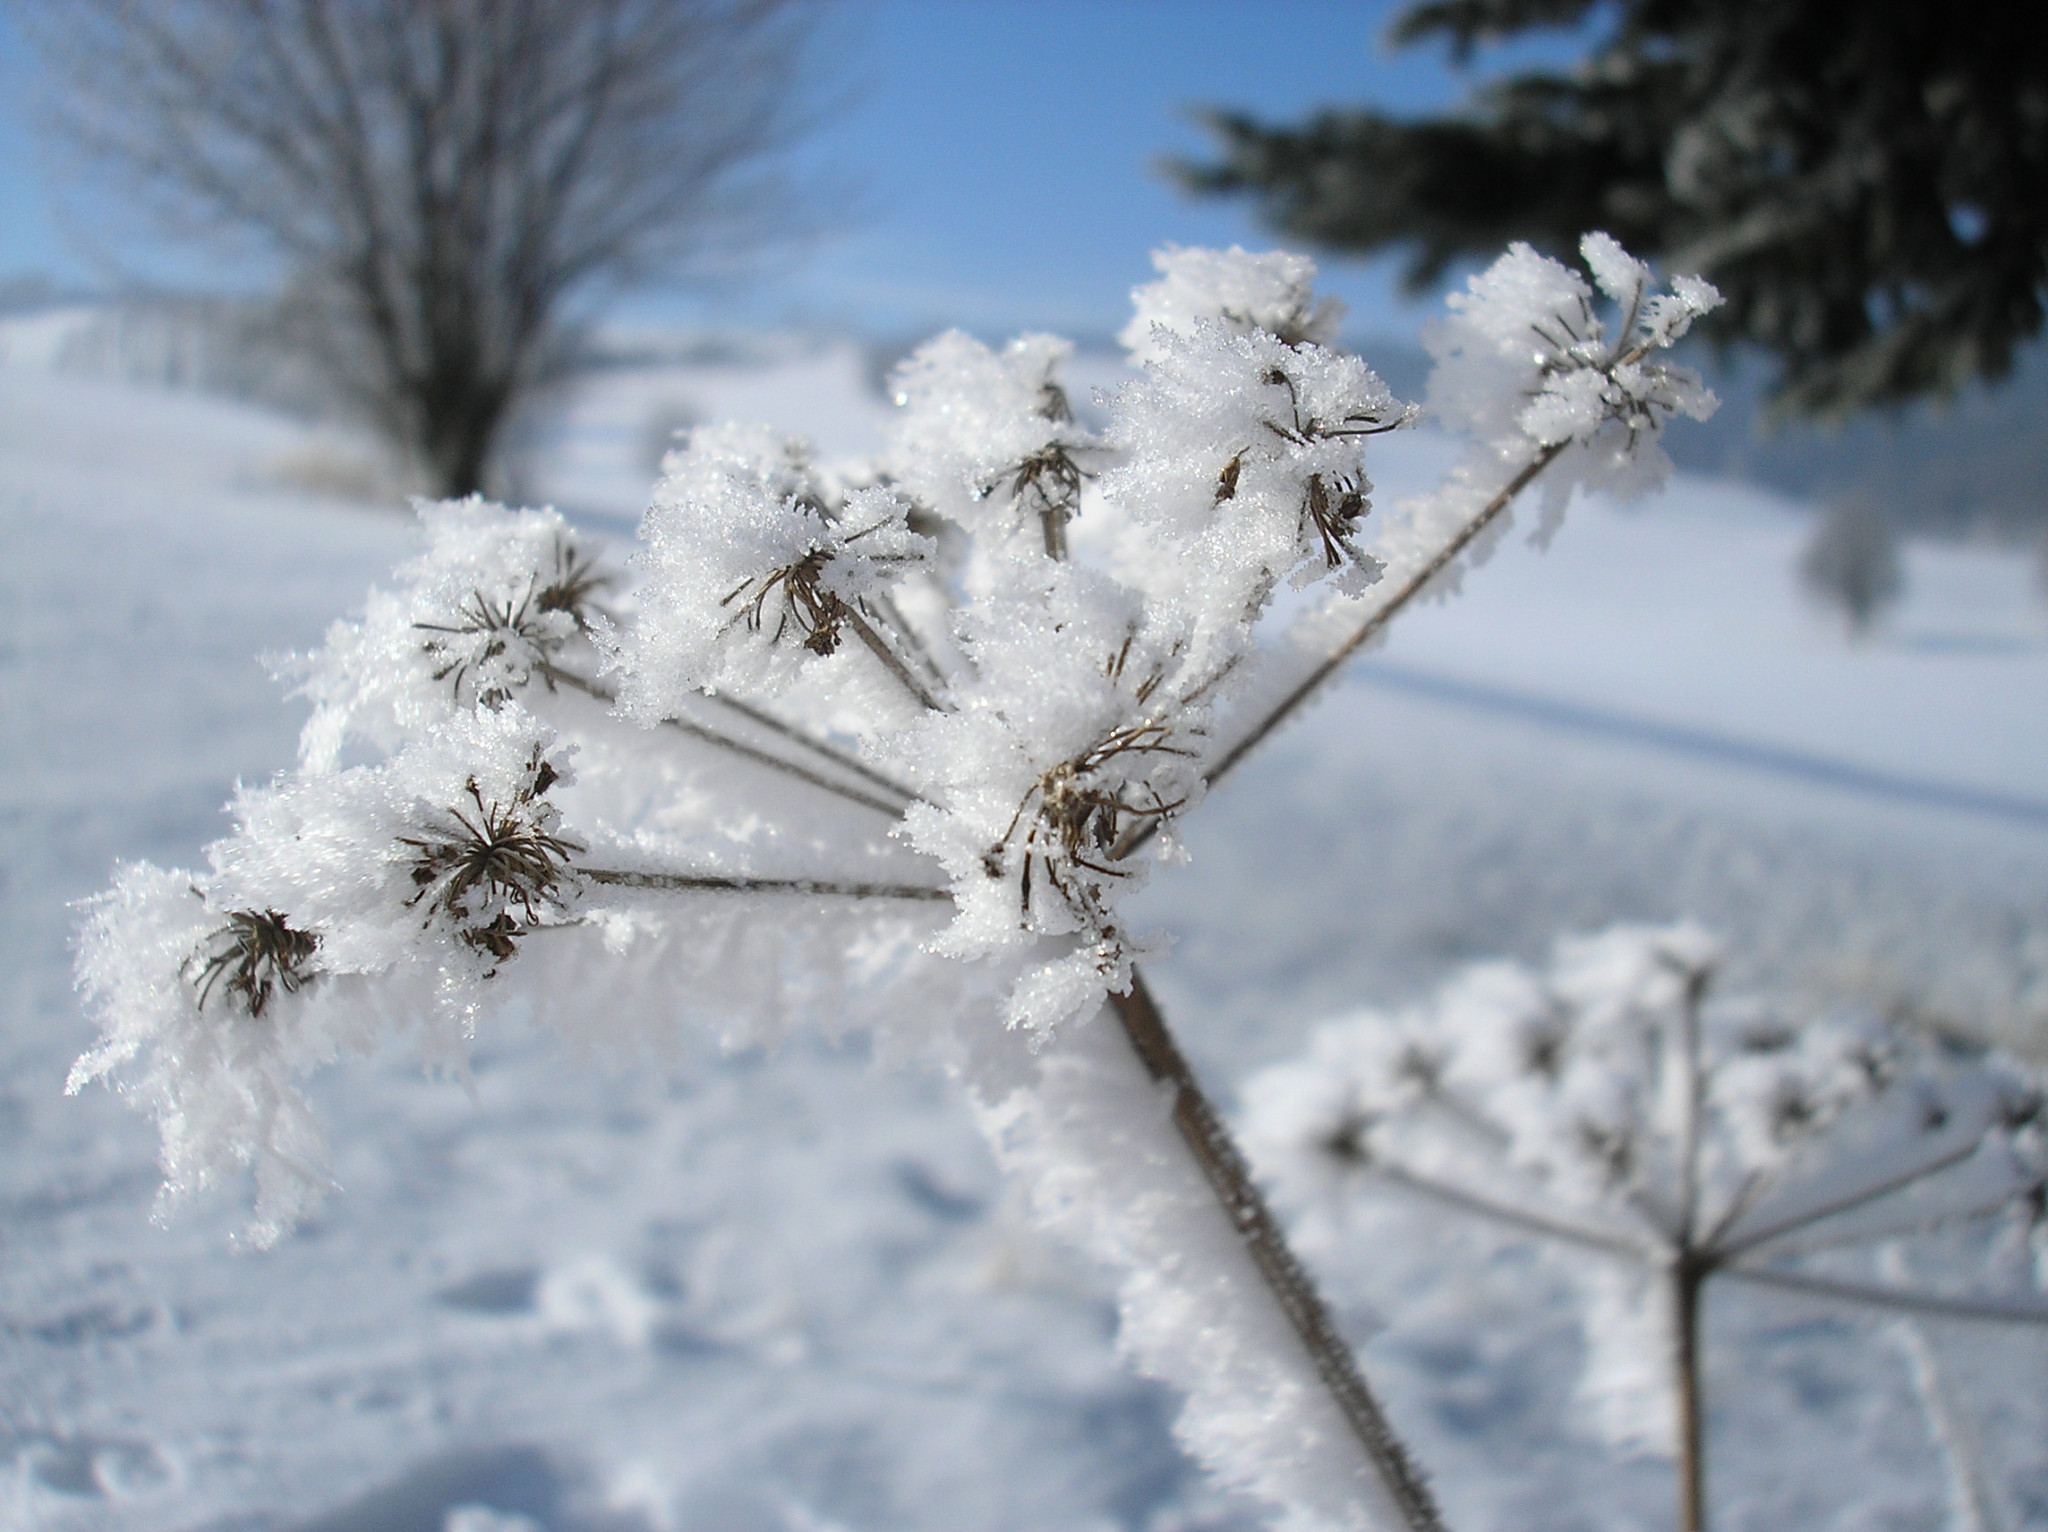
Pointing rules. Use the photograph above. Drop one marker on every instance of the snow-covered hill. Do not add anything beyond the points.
(762, 1292)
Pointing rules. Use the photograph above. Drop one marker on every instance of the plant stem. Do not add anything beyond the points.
(1513, 1217)
(1851, 1200)
(759, 757)
(1692, 1266)
(811, 742)
(1055, 520)
(1693, 1108)
(694, 882)
(914, 645)
(891, 660)
(1414, 586)
(1224, 1167)
(1688, 1274)
(1364, 634)
(1902, 1300)
(1376, 624)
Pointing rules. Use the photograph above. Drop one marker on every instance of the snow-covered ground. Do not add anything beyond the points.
(789, 1291)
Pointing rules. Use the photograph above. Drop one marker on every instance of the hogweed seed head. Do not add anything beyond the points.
(257, 953)
(573, 585)
(1070, 823)
(498, 644)
(817, 613)
(494, 869)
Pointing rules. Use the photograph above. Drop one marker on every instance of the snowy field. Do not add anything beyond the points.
(789, 1291)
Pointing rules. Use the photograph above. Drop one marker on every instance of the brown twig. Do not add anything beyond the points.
(1364, 634)
(1688, 1277)
(892, 662)
(724, 883)
(796, 736)
(601, 693)
(1900, 1299)
(1376, 624)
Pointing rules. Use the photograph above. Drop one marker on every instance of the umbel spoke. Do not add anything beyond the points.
(892, 807)
(738, 883)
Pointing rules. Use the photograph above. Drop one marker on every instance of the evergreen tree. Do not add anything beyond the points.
(1865, 180)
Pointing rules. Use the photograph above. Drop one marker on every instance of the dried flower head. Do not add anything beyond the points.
(817, 613)
(573, 585)
(808, 600)
(494, 869)
(497, 643)
(487, 630)
(1046, 484)
(1072, 818)
(257, 953)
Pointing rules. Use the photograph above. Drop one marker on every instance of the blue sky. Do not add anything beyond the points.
(996, 158)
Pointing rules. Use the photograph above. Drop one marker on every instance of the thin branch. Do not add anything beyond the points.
(1466, 1116)
(1695, 1104)
(704, 882)
(892, 661)
(1688, 1277)
(1366, 632)
(1376, 624)
(794, 735)
(1898, 1299)
(1973, 1505)
(1933, 1219)
(772, 761)
(1514, 1217)
(914, 642)
(1230, 1178)
(775, 762)
(1754, 1184)
(1847, 1202)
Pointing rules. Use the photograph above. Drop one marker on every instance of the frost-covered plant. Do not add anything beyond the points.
(881, 743)
(1610, 1103)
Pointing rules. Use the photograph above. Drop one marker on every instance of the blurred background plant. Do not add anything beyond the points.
(1663, 1142)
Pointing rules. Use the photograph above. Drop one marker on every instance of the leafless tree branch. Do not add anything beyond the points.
(443, 181)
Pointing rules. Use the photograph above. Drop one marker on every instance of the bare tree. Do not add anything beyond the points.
(447, 183)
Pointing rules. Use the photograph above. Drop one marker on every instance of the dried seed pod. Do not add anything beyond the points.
(256, 954)
(494, 869)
